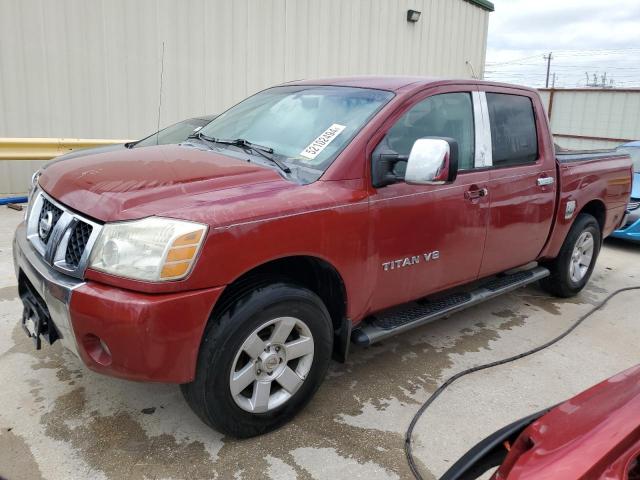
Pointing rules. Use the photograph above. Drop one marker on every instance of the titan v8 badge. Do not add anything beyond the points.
(409, 261)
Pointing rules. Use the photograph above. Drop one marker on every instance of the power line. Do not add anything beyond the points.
(564, 53)
(560, 65)
(578, 71)
(511, 61)
(609, 73)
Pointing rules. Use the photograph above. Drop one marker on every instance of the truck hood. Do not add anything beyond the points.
(128, 184)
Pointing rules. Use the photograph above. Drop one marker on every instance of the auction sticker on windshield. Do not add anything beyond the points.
(322, 141)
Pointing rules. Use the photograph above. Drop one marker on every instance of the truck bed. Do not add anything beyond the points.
(586, 155)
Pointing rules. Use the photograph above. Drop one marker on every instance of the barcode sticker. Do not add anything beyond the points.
(322, 141)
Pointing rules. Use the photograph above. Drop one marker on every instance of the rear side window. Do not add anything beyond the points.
(513, 129)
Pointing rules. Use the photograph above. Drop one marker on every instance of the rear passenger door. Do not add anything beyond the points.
(522, 181)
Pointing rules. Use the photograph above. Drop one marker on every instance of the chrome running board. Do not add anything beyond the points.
(414, 314)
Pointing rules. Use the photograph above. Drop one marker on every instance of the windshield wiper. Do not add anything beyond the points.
(241, 142)
(201, 136)
(265, 152)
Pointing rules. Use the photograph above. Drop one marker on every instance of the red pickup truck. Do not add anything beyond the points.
(308, 216)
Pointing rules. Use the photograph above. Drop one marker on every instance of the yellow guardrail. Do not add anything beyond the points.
(46, 148)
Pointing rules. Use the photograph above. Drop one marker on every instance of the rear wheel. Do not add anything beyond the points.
(262, 360)
(571, 270)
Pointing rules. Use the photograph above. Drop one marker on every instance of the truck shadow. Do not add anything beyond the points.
(620, 245)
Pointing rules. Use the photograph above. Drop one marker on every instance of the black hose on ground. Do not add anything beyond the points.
(407, 438)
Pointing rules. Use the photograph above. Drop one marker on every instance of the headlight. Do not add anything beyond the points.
(152, 249)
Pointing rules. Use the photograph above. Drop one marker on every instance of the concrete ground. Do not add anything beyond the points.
(60, 421)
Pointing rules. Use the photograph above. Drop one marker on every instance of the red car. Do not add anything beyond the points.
(309, 216)
(595, 435)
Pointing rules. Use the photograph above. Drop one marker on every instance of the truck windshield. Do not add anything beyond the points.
(306, 126)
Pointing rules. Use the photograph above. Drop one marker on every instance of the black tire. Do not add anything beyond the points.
(209, 395)
(560, 283)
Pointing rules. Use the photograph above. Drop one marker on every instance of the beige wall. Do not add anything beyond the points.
(15, 175)
(609, 113)
(91, 69)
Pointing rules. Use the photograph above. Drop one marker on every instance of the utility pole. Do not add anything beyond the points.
(548, 59)
(553, 82)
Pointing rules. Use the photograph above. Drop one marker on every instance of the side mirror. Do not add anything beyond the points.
(432, 161)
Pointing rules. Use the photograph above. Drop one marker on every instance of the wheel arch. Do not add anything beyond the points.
(558, 236)
(311, 272)
(597, 209)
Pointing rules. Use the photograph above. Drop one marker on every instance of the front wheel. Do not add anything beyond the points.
(571, 270)
(262, 360)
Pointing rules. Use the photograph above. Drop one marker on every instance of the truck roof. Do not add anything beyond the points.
(395, 83)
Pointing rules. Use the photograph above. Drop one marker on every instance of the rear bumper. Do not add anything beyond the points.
(119, 332)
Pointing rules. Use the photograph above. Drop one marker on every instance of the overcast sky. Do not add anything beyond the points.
(595, 36)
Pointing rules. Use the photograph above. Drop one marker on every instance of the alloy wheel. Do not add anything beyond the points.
(581, 257)
(271, 364)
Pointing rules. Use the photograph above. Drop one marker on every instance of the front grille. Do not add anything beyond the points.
(77, 243)
(56, 213)
(62, 237)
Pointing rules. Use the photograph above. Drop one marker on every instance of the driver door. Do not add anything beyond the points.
(429, 238)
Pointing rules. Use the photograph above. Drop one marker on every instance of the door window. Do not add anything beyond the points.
(513, 129)
(445, 115)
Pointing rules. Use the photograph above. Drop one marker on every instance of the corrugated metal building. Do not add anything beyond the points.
(588, 118)
(91, 68)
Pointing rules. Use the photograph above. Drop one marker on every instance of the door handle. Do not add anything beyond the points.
(476, 193)
(543, 181)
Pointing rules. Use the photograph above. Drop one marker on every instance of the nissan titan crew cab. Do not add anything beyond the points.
(309, 216)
